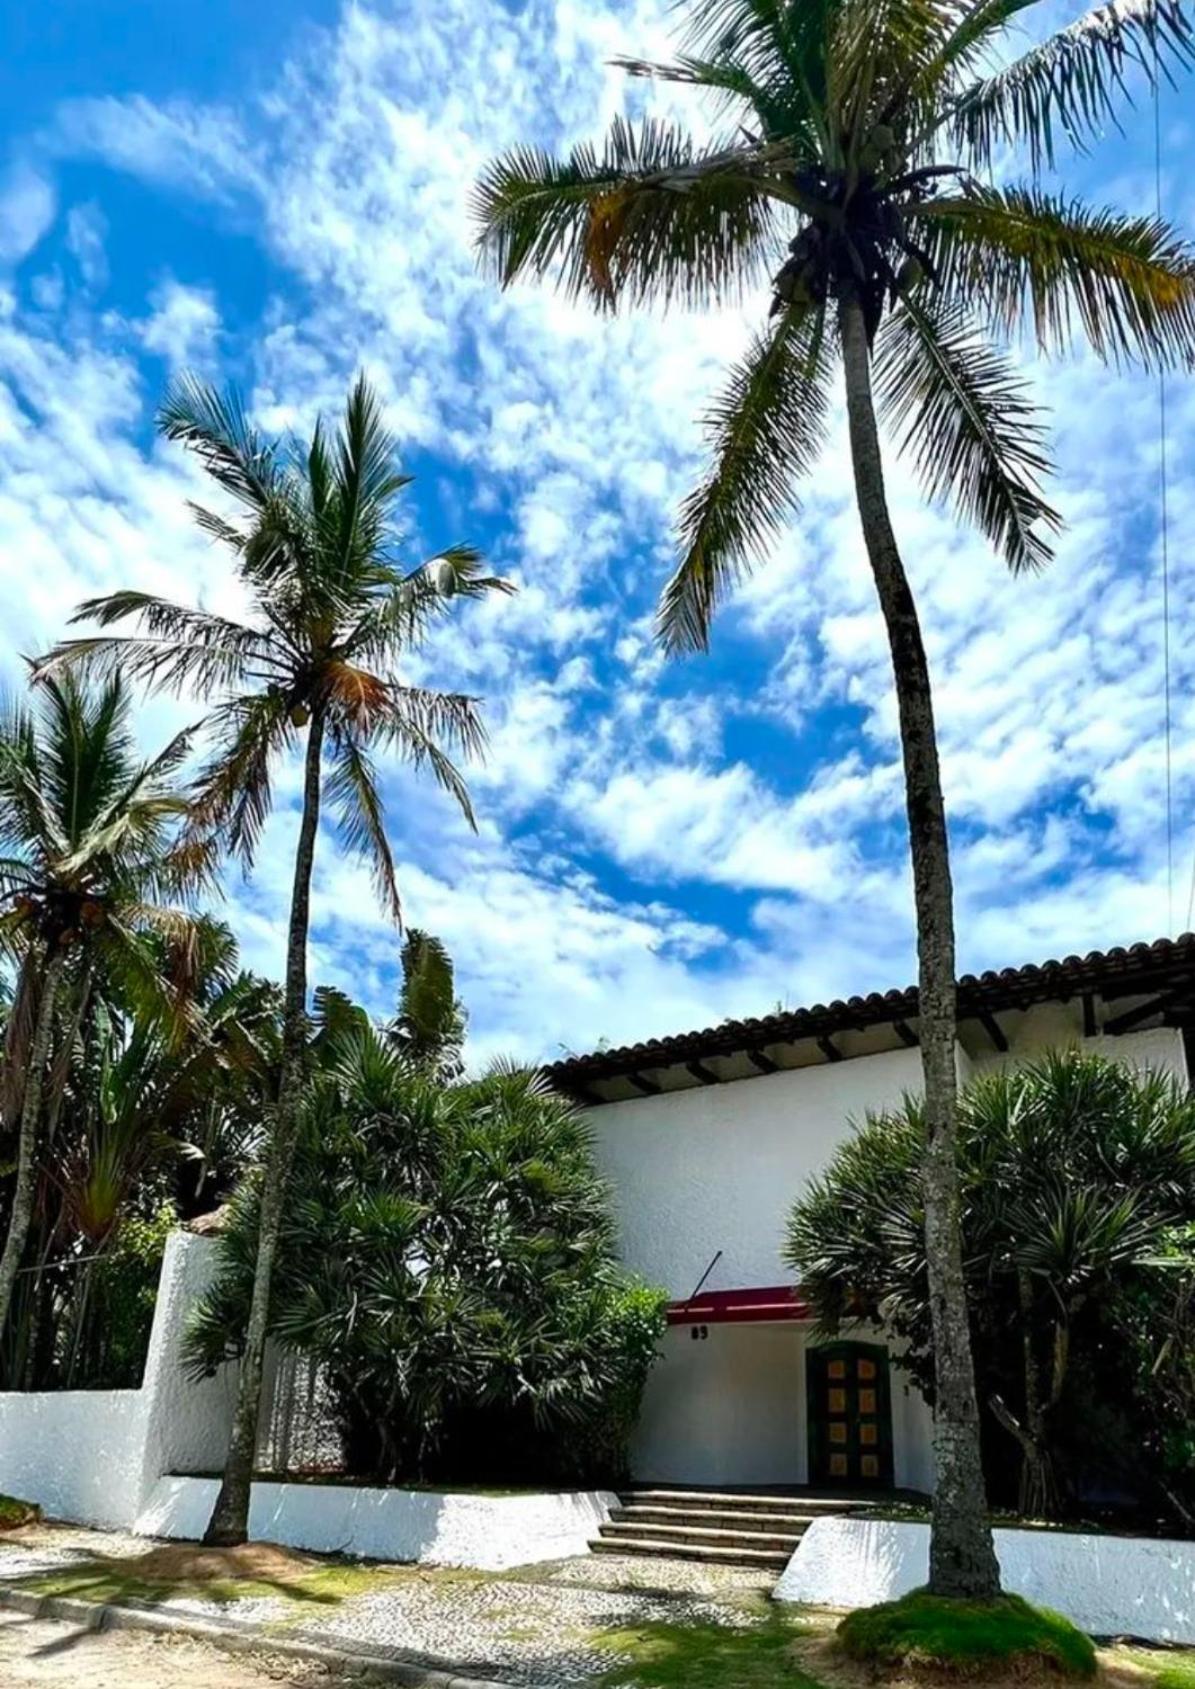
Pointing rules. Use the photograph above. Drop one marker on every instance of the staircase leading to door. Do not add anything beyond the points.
(732, 1528)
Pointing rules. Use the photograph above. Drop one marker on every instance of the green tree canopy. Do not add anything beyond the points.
(447, 1258)
(1078, 1193)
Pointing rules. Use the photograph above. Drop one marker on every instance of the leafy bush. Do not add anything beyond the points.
(1078, 1187)
(448, 1259)
(966, 1637)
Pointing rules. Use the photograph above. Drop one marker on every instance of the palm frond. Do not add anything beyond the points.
(214, 426)
(365, 480)
(1073, 83)
(765, 432)
(1126, 282)
(773, 40)
(654, 216)
(179, 647)
(776, 103)
(969, 424)
(233, 793)
(419, 723)
(353, 794)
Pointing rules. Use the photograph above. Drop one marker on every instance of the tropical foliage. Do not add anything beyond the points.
(850, 176)
(88, 851)
(147, 1124)
(315, 546)
(447, 1259)
(1078, 1191)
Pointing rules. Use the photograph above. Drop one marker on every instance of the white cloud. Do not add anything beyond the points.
(184, 326)
(27, 207)
(661, 845)
(86, 228)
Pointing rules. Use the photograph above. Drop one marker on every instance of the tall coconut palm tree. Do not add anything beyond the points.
(87, 852)
(847, 173)
(315, 550)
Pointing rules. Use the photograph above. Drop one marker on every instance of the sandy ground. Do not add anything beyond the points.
(36, 1654)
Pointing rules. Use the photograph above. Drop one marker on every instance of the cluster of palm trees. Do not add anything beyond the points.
(94, 843)
(854, 180)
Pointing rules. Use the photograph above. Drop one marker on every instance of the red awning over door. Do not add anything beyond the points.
(740, 1307)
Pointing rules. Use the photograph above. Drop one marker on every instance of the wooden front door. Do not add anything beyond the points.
(850, 1416)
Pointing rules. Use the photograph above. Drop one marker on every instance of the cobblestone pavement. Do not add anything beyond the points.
(539, 1626)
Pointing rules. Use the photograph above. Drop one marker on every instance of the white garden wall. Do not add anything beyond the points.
(94, 1455)
(489, 1533)
(107, 1458)
(1109, 1585)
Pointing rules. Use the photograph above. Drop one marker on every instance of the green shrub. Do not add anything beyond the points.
(448, 1259)
(966, 1637)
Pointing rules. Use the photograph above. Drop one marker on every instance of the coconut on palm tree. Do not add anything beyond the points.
(314, 543)
(87, 853)
(847, 172)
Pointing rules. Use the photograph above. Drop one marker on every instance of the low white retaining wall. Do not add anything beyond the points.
(1109, 1585)
(78, 1454)
(488, 1533)
(93, 1456)
(98, 1457)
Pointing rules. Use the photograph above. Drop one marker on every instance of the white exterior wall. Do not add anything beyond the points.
(1108, 1585)
(77, 1454)
(1050, 1027)
(719, 1166)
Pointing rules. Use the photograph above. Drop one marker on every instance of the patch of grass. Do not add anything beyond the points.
(1170, 1668)
(706, 1656)
(965, 1637)
(15, 1513)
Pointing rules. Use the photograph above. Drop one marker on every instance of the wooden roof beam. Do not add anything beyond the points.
(906, 1034)
(830, 1049)
(700, 1071)
(1130, 1018)
(647, 1087)
(765, 1064)
(993, 1029)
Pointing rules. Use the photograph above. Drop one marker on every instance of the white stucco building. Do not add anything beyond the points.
(707, 1139)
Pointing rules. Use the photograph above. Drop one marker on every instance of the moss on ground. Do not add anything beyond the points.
(706, 1656)
(14, 1513)
(966, 1637)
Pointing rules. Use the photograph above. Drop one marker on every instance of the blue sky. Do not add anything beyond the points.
(278, 195)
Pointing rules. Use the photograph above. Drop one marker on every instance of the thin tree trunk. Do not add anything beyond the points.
(230, 1517)
(22, 1201)
(962, 1556)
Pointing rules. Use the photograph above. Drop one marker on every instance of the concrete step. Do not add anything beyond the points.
(702, 1536)
(736, 1501)
(764, 1559)
(710, 1519)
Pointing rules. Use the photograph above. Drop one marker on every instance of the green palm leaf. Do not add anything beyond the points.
(765, 432)
(1125, 281)
(969, 424)
(1075, 81)
(654, 215)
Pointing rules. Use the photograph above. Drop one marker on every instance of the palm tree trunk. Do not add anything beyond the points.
(230, 1518)
(962, 1557)
(26, 1185)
